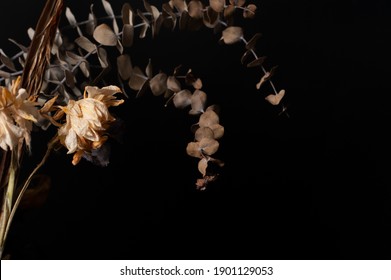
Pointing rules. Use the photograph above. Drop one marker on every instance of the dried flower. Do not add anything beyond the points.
(87, 120)
(17, 114)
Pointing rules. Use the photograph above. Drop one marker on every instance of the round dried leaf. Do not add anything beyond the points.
(102, 55)
(7, 61)
(127, 14)
(217, 5)
(180, 5)
(127, 35)
(204, 132)
(208, 146)
(208, 119)
(104, 35)
(197, 84)
(73, 58)
(173, 84)
(198, 101)
(232, 34)
(85, 68)
(249, 12)
(92, 22)
(70, 17)
(193, 149)
(124, 65)
(195, 9)
(86, 44)
(107, 6)
(218, 131)
(158, 84)
(182, 99)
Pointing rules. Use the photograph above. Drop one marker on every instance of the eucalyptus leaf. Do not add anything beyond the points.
(104, 35)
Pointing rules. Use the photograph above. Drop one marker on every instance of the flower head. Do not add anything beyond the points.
(87, 120)
(17, 114)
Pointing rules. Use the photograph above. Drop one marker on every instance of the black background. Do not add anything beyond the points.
(312, 186)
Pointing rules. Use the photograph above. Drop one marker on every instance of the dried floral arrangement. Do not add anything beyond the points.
(62, 83)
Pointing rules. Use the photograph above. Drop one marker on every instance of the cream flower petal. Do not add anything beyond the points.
(17, 116)
(9, 133)
(87, 120)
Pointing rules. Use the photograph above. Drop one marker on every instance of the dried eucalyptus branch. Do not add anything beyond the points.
(60, 87)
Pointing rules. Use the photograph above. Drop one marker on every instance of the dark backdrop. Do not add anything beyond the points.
(311, 186)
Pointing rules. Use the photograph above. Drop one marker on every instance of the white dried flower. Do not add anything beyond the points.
(87, 120)
(17, 114)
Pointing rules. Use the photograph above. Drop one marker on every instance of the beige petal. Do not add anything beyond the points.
(48, 105)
